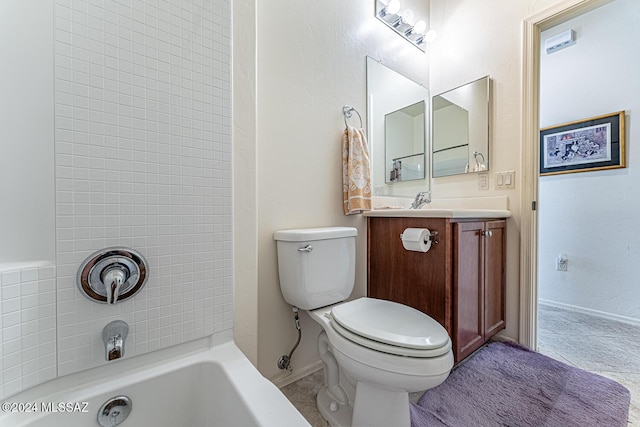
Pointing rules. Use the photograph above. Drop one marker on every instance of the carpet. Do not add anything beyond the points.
(505, 384)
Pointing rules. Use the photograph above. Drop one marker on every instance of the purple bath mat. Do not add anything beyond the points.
(505, 384)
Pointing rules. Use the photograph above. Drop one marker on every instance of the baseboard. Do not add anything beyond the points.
(290, 377)
(503, 338)
(602, 314)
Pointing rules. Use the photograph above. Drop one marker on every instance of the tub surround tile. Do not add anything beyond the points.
(143, 160)
(27, 328)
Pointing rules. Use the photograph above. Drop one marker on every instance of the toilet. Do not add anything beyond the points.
(374, 352)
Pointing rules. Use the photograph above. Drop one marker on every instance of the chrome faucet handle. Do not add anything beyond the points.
(422, 198)
(114, 336)
(113, 278)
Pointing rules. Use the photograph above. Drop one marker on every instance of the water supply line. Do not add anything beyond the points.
(284, 362)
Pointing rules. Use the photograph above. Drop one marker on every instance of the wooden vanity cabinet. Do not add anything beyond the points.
(460, 282)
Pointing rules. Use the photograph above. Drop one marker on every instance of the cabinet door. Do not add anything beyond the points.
(494, 282)
(468, 287)
(419, 280)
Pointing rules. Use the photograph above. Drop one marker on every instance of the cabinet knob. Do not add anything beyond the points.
(487, 233)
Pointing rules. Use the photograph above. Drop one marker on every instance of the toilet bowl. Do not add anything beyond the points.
(382, 378)
(374, 352)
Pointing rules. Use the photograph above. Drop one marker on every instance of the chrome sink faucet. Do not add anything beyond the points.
(114, 336)
(422, 198)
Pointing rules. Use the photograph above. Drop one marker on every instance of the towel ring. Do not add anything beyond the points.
(476, 154)
(348, 110)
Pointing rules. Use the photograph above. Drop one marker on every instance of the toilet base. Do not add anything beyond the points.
(373, 407)
(340, 417)
(377, 407)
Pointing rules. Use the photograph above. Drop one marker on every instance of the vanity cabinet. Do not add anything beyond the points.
(460, 281)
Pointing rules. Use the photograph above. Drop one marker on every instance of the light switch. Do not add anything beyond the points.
(505, 179)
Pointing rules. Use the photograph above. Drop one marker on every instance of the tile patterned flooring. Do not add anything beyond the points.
(602, 346)
(302, 394)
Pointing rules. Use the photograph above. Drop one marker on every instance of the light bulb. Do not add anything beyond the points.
(419, 27)
(393, 7)
(431, 35)
(408, 16)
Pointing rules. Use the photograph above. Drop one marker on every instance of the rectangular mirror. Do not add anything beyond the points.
(460, 129)
(398, 116)
(404, 138)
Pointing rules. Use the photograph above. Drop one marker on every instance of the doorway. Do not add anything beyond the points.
(532, 29)
(585, 245)
(581, 215)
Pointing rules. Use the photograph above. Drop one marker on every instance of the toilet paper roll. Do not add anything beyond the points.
(416, 239)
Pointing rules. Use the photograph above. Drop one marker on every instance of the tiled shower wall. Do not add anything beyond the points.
(27, 327)
(143, 160)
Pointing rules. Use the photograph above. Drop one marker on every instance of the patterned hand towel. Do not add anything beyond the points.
(356, 172)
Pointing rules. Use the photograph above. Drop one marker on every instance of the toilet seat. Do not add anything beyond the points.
(390, 327)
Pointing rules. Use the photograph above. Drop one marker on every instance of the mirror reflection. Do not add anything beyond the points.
(397, 112)
(404, 143)
(460, 129)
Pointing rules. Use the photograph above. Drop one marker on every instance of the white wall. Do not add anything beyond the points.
(310, 62)
(475, 39)
(245, 217)
(27, 216)
(593, 216)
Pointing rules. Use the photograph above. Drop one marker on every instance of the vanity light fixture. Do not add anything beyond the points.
(403, 23)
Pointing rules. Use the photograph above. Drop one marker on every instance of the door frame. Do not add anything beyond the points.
(530, 155)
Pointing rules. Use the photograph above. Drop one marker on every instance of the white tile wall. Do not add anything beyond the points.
(27, 328)
(143, 159)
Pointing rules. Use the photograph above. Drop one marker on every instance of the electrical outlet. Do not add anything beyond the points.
(483, 181)
(561, 262)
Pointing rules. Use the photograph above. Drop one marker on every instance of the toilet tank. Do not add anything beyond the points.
(316, 266)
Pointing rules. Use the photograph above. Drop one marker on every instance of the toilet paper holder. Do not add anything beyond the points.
(433, 236)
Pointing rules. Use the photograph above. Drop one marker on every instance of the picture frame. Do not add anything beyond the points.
(592, 144)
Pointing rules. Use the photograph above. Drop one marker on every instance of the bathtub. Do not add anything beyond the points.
(189, 386)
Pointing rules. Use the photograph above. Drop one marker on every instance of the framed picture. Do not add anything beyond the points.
(586, 145)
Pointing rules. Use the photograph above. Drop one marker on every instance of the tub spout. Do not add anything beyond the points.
(114, 336)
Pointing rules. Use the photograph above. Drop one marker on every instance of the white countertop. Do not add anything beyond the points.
(439, 213)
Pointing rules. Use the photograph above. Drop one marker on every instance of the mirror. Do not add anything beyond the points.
(404, 133)
(460, 129)
(397, 111)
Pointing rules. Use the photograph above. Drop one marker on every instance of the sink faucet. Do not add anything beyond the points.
(422, 198)
(114, 336)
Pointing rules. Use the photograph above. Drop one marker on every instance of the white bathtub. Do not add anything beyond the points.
(190, 386)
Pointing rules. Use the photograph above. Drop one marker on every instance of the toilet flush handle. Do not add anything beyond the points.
(307, 248)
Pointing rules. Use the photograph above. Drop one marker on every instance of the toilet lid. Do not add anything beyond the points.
(390, 323)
